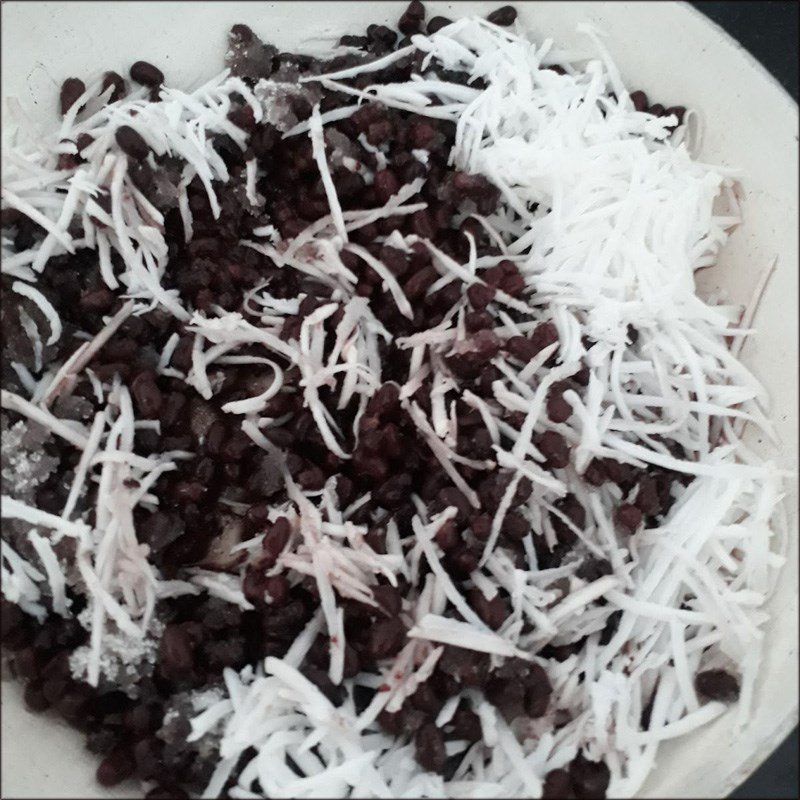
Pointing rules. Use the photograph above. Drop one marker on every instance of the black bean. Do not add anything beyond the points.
(146, 74)
(656, 110)
(131, 142)
(71, 90)
(717, 684)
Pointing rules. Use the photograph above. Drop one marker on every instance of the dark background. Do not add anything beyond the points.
(769, 30)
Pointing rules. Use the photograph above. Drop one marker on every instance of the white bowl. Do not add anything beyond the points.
(669, 49)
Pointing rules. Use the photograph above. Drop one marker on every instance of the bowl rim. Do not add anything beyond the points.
(738, 775)
(789, 719)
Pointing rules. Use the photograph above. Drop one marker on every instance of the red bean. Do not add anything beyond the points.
(131, 142)
(166, 792)
(480, 295)
(386, 184)
(144, 718)
(639, 100)
(118, 82)
(466, 724)
(678, 111)
(378, 132)
(554, 448)
(515, 526)
(276, 538)
(35, 698)
(386, 637)
(116, 767)
(146, 395)
(430, 748)
(628, 517)
(557, 785)
(493, 612)
(521, 348)
(148, 755)
(412, 19)
(717, 684)
(503, 16)
(146, 74)
(648, 500)
(437, 23)
(589, 778)
(176, 651)
(71, 90)
(447, 537)
(558, 409)
(421, 134)
(388, 598)
(98, 301)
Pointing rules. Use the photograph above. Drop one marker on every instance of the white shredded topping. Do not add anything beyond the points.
(607, 216)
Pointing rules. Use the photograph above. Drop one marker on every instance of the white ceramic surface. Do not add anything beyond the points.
(669, 49)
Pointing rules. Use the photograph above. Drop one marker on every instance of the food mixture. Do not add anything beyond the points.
(363, 432)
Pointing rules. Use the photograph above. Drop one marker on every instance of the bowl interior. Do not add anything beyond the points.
(668, 49)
